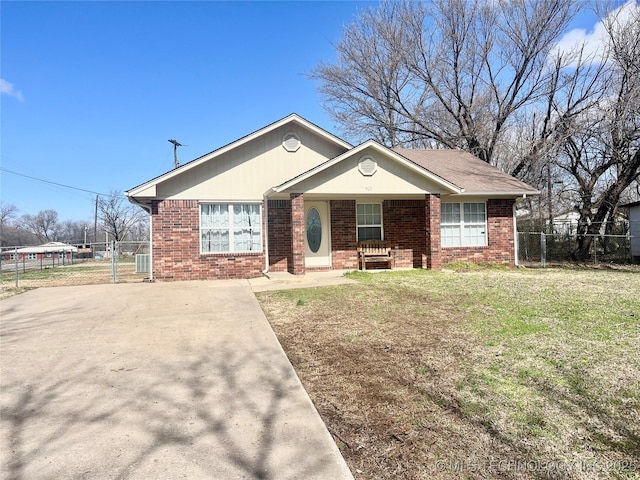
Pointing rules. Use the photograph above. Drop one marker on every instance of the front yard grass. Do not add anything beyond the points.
(481, 374)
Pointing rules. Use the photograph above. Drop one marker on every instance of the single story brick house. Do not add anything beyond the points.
(293, 197)
(52, 250)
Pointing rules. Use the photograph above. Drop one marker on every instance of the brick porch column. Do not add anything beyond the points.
(296, 265)
(432, 231)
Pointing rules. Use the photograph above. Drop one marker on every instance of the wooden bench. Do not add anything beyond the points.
(374, 251)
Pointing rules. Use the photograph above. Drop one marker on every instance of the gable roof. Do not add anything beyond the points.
(440, 180)
(241, 141)
(468, 172)
(49, 247)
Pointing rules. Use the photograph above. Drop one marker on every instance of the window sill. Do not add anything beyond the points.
(230, 254)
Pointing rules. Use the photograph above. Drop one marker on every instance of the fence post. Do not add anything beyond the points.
(16, 257)
(113, 266)
(543, 249)
(114, 261)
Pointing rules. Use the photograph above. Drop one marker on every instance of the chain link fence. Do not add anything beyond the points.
(541, 249)
(106, 262)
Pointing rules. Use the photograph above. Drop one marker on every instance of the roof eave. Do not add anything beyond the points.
(500, 193)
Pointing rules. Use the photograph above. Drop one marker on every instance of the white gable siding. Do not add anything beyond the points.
(391, 178)
(248, 171)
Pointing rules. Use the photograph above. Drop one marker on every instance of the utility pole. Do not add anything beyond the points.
(176, 144)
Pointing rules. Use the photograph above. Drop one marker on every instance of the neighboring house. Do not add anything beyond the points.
(293, 197)
(565, 223)
(634, 229)
(53, 250)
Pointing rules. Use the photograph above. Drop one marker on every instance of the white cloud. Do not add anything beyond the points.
(595, 41)
(7, 88)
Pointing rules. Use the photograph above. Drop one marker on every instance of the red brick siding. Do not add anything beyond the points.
(279, 235)
(404, 226)
(432, 233)
(500, 248)
(296, 261)
(343, 234)
(176, 247)
(413, 226)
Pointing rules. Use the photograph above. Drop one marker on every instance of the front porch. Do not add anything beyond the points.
(305, 236)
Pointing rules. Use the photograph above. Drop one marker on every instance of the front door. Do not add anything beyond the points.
(317, 249)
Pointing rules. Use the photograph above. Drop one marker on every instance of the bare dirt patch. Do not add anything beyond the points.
(472, 375)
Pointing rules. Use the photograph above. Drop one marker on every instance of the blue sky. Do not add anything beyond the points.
(92, 91)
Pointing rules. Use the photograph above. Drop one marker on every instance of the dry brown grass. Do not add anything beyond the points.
(472, 375)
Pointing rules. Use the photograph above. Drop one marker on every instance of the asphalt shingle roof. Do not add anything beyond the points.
(466, 171)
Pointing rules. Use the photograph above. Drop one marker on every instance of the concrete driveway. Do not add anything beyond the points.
(153, 381)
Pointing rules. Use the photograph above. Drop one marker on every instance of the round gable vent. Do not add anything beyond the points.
(291, 142)
(367, 166)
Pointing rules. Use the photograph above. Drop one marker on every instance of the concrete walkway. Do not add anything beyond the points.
(286, 281)
(153, 380)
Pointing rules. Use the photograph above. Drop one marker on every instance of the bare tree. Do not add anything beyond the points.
(601, 151)
(362, 88)
(140, 230)
(576, 87)
(118, 216)
(450, 73)
(72, 231)
(44, 225)
(490, 78)
(8, 213)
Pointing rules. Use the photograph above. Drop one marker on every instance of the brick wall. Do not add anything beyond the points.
(296, 261)
(412, 225)
(432, 232)
(404, 226)
(344, 245)
(500, 248)
(176, 247)
(279, 235)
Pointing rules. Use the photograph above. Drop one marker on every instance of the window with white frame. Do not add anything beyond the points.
(463, 224)
(230, 228)
(369, 221)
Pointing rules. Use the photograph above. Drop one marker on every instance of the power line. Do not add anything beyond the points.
(56, 183)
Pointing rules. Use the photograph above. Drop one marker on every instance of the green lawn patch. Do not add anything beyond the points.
(415, 368)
